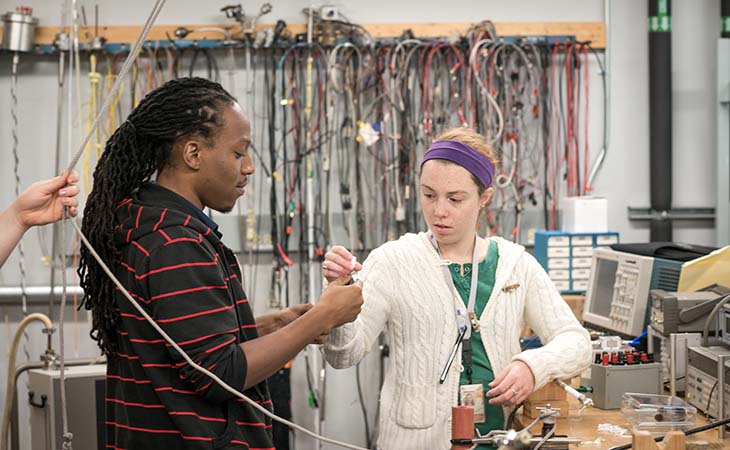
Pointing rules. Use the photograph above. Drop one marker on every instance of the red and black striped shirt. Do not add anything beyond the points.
(188, 281)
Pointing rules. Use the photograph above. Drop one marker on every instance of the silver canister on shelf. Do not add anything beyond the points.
(18, 29)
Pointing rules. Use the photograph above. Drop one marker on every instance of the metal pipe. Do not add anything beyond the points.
(9, 391)
(561, 440)
(672, 214)
(721, 391)
(57, 228)
(14, 432)
(606, 75)
(15, 291)
(660, 117)
(673, 364)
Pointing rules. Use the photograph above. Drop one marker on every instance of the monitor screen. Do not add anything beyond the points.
(605, 278)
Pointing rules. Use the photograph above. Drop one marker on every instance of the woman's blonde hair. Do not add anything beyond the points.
(476, 141)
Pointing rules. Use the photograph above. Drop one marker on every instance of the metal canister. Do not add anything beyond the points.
(18, 29)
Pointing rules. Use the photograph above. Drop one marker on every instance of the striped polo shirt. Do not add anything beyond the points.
(189, 282)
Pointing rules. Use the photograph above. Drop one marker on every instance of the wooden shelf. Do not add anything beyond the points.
(583, 31)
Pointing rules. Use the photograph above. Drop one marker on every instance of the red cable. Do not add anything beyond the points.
(556, 137)
(569, 119)
(283, 255)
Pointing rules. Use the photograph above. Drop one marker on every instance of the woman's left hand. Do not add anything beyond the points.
(512, 385)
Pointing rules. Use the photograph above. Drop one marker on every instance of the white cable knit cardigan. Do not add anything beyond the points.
(406, 293)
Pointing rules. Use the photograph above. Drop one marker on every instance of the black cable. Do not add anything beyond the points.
(363, 408)
(709, 399)
(676, 379)
(545, 96)
(511, 417)
(270, 81)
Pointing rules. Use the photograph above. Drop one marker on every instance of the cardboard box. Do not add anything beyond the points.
(550, 391)
(576, 303)
(585, 214)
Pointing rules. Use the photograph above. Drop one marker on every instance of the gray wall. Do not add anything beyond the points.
(623, 179)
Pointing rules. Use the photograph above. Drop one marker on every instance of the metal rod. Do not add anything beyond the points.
(534, 440)
(56, 228)
(673, 364)
(14, 291)
(672, 214)
(721, 390)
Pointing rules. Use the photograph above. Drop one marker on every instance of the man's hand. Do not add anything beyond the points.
(342, 302)
(337, 305)
(270, 323)
(292, 313)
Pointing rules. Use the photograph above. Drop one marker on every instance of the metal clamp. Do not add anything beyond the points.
(248, 23)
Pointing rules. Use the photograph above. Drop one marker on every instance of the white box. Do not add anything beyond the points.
(559, 252)
(580, 285)
(558, 241)
(582, 252)
(582, 240)
(581, 274)
(582, 263)
(562, 285)
(559, 274)
(559, 263)
(606, 239)
(585, 214)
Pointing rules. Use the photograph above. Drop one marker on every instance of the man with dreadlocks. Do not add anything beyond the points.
(169, 255)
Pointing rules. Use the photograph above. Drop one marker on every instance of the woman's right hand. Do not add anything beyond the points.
(338, 263)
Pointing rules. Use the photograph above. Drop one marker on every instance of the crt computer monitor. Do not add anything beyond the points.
(618, 291)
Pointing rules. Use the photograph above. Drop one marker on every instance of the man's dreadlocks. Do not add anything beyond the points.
(140, 147)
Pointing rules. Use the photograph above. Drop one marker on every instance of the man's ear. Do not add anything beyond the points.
(191, 154)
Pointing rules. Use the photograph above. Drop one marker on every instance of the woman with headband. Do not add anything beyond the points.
(448, 288)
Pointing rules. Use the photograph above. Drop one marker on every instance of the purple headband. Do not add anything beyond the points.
(457, 152)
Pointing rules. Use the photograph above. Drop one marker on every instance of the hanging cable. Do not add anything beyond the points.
(117, 82)
(61, 44)
(16, 172)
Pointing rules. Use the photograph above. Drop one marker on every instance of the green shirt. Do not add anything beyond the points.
(481, 367)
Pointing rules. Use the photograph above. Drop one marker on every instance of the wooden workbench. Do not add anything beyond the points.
(586, 427)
